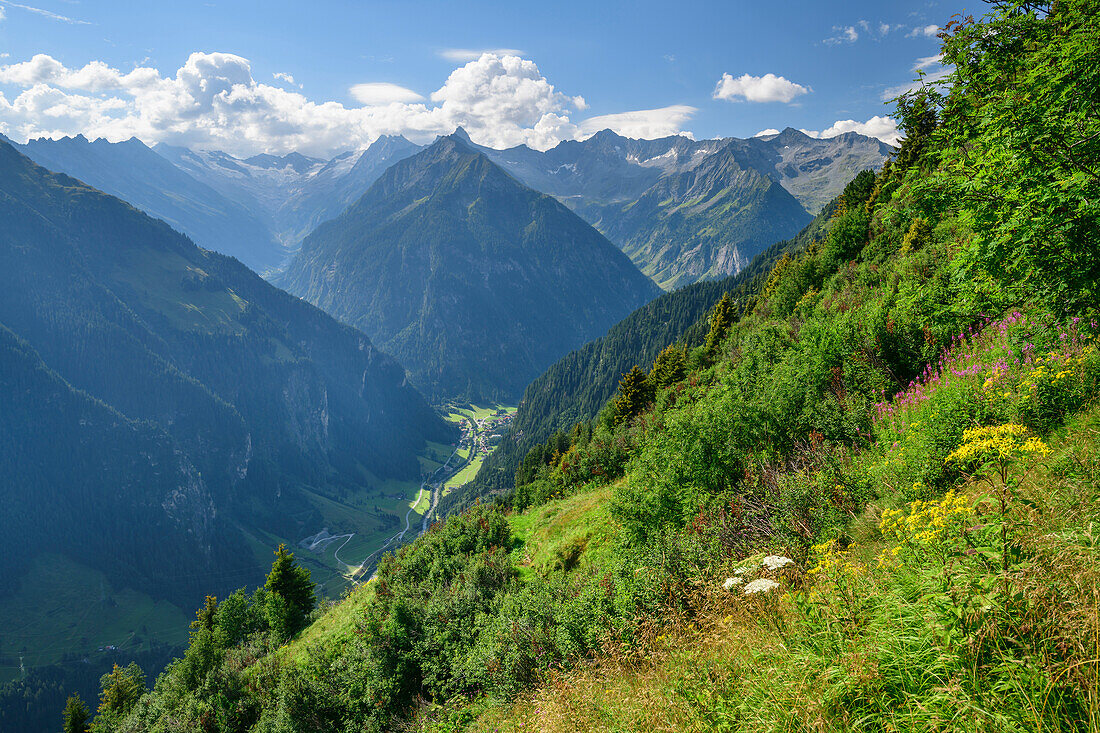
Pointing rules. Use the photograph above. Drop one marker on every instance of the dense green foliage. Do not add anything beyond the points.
(1017, 144)
(471, 280)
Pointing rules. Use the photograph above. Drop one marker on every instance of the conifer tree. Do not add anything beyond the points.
(721, 318)
(204, 617)
(669, 367)
(120, 690)
(292, 584)
(77, 715)
(634, 395)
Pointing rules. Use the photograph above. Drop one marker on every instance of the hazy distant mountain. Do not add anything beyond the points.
(292, 193)
(162, 402)
(686, 210)
(815, 170)
(136, 174)
(336, 185)
(474, 281)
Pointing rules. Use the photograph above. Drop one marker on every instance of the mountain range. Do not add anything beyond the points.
(686, 210)
(682, 209)
(133, 172)
(475, 282)
(293, 193)
(256, 209)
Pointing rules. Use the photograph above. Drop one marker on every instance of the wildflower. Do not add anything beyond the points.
(996, 441)
(774, 562)
(760, 585)
(730, 582)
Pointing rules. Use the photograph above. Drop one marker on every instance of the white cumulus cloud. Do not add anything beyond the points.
(382, 92)
(642, 123)
(507, 100)
(765, 133)
(767, 88)
(214, 101)
(884, 128)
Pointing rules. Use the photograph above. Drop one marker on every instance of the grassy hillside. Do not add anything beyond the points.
(865, 505)
(889, 634)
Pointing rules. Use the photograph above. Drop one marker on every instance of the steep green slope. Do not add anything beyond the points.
(579, 384)
(165, 407)
(474, 282)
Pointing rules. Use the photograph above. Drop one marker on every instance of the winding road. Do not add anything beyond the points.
(427, 485)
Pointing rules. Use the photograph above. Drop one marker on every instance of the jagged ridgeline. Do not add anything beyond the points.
(577, 386)
(686, 210)
(473, 281)
(160, 400)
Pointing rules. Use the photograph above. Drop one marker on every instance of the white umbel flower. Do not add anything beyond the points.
(730, 582)
(760, 585)
(774, 562)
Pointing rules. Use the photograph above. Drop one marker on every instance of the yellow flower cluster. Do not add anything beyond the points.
(926, 522)
(832, 559)
(1002, 442)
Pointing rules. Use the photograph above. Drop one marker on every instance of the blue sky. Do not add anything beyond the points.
(206, 71)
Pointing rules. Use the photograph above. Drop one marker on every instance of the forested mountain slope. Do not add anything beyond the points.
(473, 281)
(163, 400)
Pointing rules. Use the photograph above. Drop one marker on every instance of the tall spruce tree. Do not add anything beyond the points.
(121, 688)
(669, 367)
(721, 318)
(77, 717)
(296, 592)
(634, 395)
